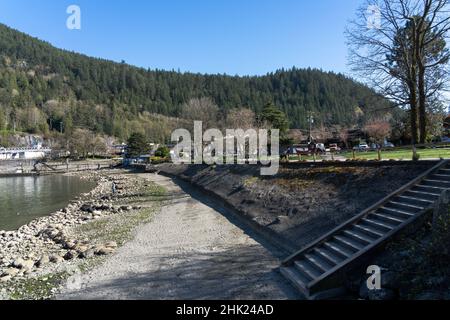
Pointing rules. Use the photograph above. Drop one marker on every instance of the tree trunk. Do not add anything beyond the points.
(413, 119)
(422, 106)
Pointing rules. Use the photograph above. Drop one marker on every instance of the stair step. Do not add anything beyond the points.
(422, 187)
(401, 205)
(338, 249)
(444, 171)
(349, 243)
(363, 238)
(437, 176)
(378, 224)
(436, 183)
(389, 219)
(308, 269)
(422, 194)
(369, 231)
(396, 212)
(295, 277)
(415, 200)
(329, 256)
(319, 262)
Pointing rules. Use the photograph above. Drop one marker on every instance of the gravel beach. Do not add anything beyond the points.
(188, 251)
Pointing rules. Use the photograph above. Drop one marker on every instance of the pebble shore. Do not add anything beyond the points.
(44, 244)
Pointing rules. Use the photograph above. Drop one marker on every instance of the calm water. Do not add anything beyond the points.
(23, 199)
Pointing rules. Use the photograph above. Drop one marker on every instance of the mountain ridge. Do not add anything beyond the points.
(34, 73)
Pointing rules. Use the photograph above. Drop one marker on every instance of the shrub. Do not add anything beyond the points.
(162, 152)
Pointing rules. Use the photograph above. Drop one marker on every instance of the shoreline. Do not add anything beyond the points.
(51, 246)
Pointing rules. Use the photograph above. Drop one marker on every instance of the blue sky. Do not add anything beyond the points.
(208, 36)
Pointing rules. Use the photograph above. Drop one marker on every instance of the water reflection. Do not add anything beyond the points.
(23, 199)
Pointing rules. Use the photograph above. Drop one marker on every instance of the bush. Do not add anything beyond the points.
(162, 152)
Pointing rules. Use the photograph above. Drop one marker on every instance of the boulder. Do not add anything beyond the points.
(55, 258)
(18, 263)
(87, 254)
(70, 255)
(10, 272)
(111, 244)
(43, 261)
(81, 248)
(28, 265)
(70, 244)
(103, 251)
(87, 208)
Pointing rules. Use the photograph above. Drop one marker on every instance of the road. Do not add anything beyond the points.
(190, 250)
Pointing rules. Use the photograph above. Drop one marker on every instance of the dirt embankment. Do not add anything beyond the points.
(299, 203)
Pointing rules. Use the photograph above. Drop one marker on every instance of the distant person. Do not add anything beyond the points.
(114, 188)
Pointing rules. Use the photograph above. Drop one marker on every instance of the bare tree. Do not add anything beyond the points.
(403, 54)
(378, 130)
(344, 136)
(432, 30)
(241, 119)
(202, 109)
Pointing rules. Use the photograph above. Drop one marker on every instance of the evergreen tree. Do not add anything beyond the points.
(137, 145)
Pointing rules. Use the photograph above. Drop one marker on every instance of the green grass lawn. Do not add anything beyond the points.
(400, 154)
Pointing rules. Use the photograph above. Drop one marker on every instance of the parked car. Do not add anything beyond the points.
(388, 145)
(374, 146)
(334, 147)
(320, 147)
(361, 147)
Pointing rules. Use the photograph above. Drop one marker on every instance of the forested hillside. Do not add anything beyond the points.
(44, 88)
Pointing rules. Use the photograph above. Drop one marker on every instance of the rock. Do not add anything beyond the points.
(18, 263)
(81, 248)
(71, 254)
(87, 254)
(70, 244)
(87, 208)
(28, 265)
(5, 278)
(382, 294)
(43, 261)
(55, 258)
(103, 251)
(111, 244)
(10, 272)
